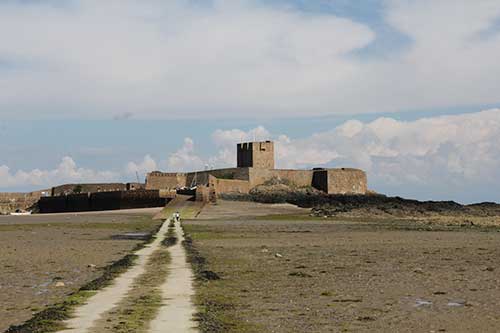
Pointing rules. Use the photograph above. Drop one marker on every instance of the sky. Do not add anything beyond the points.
(406, 90)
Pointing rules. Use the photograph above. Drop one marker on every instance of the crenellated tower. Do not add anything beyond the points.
(259, 155)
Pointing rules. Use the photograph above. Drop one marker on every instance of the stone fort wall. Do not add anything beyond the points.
(169, 181)
(332, 181)
(229, 185)
(216, 186)
(297, 177)
(10, 201)
(347, 181)
(242, 180)
(165, 180)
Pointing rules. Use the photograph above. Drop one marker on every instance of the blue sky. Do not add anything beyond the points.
(96, 90)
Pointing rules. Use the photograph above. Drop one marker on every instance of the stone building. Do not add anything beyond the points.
(255, 166)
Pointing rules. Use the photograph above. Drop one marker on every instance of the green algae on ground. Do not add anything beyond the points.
(135, 312)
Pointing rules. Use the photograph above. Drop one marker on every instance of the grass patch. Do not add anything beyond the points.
(142, 303)
(208, 235)
(201, 232)
(136, 317)
(216, 311)
(189, 211)
(170, 237)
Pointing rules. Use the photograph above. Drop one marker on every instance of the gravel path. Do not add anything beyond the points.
(177, 313)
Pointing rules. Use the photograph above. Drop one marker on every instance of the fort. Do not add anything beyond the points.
(255, 165)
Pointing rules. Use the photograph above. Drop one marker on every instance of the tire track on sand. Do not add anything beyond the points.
(86, 315)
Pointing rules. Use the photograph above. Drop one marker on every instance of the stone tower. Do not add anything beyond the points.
(256, 155)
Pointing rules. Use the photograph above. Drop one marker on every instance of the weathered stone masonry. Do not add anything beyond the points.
(10, 202)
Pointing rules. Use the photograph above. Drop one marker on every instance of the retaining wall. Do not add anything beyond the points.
(102, 201)
(165, 180)
(230, 186)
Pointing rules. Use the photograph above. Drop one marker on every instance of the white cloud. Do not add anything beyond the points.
(462, 147)
(167, 58)
(185, 159)
(66, 172)
(239, 58)
(226, 140)
(148, 164)
(453, 156)
(449, 60)
(451, 148)
(456, 151)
